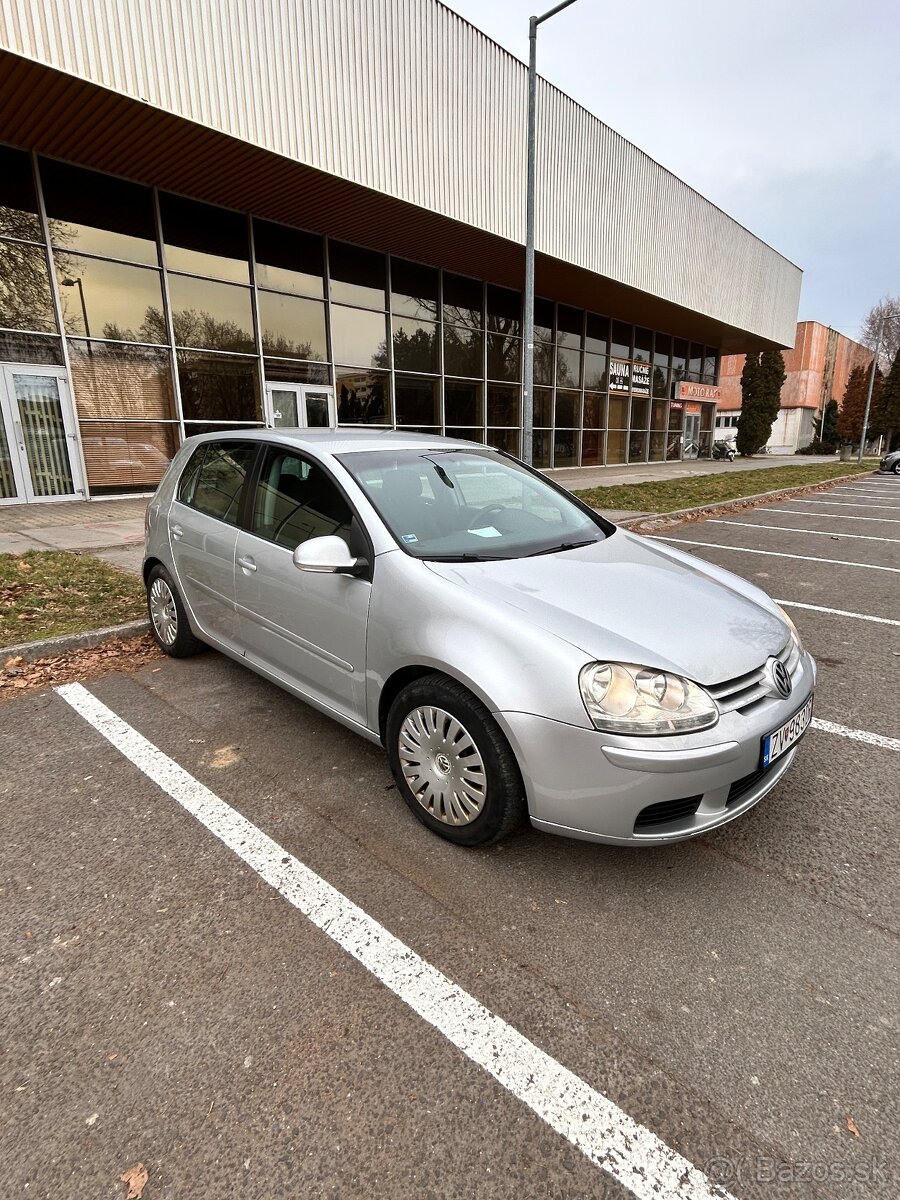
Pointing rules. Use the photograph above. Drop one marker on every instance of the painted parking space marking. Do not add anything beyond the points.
(799, 512)
(838, 612)
(856, 735)
(863, 537)
(627, 1151)
(844, 503)
(835, 562)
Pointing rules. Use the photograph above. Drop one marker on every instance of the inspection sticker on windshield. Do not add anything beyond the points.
(782, 739)
(486, 531)
(409, 538)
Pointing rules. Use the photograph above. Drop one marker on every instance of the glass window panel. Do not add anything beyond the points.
(660, 381)
(504, 439)
(543, 321)
(662, 350)
(679, 357)
(463, 351)
(288, 260)
(30, 348)
(25, 299)
(594, 410)
(417, 401)
(195, 428)
(18, 204)
(466, 435)
(658, 414)
(615, 445)
(296, 501)
(504, 405)
(568, 368)
(414, 290)
(568, 409)
(695, 361)
(215, 387)
(706, 417)
(569, 322)
(215, 316)
(463, 403)
(292, 327)
(204, 240)
(543, 407)
(637, 446)
(640, 413)
(540, 453)
(710, 365)
(98, 214)
(544, 362)
(504, 311)
(357, 276)
(597, 334)
(591, 449)
(220, 482)
(359, 337)
(112, 380)
(595, 376)
(676, 415)
(110, 300)
(643, 344)
(657, 447)
(292, 371)
(618, 412)
(126, 456)
(463, 301)
(504, 357)
(621, 340)
(565, 448)
(363, 397)
(416, 346)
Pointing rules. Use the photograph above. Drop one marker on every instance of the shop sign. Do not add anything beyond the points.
(693, 408)
(698, 391)
(640, 378)
(619, 375)
(677, 406)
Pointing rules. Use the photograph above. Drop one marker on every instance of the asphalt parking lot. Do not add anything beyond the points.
(177, 987)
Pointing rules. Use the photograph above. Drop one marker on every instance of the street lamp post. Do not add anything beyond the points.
(865, 424)
(528, 365)
(87, 329)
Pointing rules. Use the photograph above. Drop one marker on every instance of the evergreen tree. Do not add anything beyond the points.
(828, 434)
(853, 406)
(886, 413)
(761, 381)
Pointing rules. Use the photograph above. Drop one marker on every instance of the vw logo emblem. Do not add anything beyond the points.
(780, 676)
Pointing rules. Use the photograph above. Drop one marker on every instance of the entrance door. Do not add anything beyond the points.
(38, 443)
(307, 405)
(691, 445)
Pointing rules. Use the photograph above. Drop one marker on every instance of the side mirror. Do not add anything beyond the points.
(328, 556)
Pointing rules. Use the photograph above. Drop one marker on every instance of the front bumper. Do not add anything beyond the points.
(582, 783)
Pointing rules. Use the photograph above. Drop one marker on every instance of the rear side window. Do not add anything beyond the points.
(214, 479)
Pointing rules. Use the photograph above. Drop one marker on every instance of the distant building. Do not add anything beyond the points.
(817, 370)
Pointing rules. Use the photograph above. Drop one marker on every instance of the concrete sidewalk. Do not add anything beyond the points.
(113, 530)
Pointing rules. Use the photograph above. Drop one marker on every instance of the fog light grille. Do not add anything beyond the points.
(666, 811)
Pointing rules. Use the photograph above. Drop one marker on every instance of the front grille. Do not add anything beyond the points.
(667, 810)
(742, 692)
(741, 787)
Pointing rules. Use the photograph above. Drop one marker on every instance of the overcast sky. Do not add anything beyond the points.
(785, 113)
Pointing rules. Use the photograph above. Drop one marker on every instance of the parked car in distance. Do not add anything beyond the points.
(890, 463)
(516, 653)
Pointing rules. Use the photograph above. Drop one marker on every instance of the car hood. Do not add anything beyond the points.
(630, 600)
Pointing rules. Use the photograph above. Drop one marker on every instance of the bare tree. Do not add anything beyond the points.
(887, 307)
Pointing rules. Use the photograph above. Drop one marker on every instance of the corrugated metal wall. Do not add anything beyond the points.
(405, 97)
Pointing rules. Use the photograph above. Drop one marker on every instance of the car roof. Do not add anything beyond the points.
(342, 441)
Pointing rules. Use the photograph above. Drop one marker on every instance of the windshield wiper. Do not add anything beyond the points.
(563, 546)
(451, 558)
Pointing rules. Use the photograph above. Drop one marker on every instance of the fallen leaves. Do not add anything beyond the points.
(852, 1126)
(118, 654)
(136, 1178)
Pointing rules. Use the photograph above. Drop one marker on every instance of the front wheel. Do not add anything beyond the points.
(452, 764)
(168, 619)
(897, 467)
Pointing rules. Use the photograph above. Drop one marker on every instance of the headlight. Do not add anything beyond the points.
(623, 698)
(795, 635)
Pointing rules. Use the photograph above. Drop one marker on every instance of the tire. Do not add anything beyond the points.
(467, 788)
(897, 468)
(168, 618)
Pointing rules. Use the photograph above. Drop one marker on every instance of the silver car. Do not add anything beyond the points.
(515, 652)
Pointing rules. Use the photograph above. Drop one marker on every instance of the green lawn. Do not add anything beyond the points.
(668, 495)
(45, 593)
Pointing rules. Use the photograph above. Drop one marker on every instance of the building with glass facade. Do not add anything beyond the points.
(185, 248)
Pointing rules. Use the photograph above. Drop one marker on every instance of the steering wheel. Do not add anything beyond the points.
(486, 512)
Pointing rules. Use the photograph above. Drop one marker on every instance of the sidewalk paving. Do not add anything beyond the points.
(113, 530)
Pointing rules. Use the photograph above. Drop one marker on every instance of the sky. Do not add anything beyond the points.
(785, 113)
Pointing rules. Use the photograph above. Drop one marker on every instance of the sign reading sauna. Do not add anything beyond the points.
(627, 376)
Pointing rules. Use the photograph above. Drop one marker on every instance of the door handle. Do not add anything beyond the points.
(247, 564)
(177, 532)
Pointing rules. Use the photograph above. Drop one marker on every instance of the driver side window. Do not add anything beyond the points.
(295, 501)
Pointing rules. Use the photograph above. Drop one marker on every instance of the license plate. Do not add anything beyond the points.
(777, 743)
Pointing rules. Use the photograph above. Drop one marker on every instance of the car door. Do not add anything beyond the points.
(203, 531)
(307, 628)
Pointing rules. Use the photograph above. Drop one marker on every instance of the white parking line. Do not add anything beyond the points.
(799, 512)
(837, 612)
(856, 735)
(844, 503)
(862, 537)
(837, 562)
(612, 1140)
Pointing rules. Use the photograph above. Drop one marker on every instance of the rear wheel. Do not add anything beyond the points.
(168, 619)
(452, 764)
(897, 467)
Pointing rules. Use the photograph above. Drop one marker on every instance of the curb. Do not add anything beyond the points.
(69, 642)
(679, 515)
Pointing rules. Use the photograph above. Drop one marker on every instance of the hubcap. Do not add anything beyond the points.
(442, 766)
(163, 613)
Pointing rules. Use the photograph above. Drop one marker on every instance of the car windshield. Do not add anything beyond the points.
(470, 505)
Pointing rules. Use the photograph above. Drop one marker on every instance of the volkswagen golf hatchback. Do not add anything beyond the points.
(515, 653)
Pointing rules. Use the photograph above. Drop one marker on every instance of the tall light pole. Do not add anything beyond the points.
(528, 365)
(862, 440)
